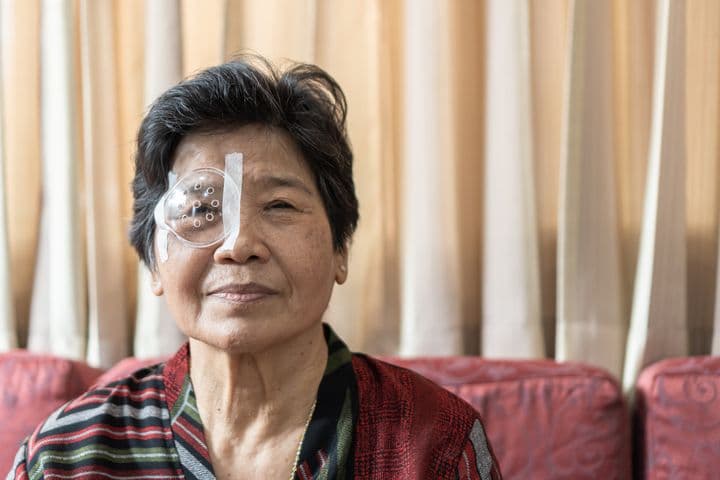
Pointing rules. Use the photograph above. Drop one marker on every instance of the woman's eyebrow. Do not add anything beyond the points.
(283, 181)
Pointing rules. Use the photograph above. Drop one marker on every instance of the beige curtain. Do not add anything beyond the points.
(155, 332)
(658, 325)
(589, 294)
(536, 179)
(58, 322)
(8, 331)
(511, 271)
(107, 311)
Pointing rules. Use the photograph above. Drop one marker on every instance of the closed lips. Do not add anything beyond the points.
(247, 292)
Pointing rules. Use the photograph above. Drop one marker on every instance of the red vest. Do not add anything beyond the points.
(408, 427)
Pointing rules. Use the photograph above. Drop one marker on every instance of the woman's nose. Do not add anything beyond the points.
(248, 246)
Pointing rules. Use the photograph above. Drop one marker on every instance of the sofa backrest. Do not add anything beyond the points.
(32, 386)
(545, 420)
(678, 419)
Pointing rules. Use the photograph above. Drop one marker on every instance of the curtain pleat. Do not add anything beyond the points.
(715, 347)
(549, 47)
(155, 330)
(485, 227)
(511, 319)
(202, 19)
(107, 317)
(8, 333)
(58, 313)
(20, 44)
(360, 309)
(590, 322)
(130, 102)
(431, 316)
(634, 27)
(277, 29)
(658, 326)
(703, 169)
(466, 29)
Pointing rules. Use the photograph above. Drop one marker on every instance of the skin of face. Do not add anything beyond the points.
(275, 283)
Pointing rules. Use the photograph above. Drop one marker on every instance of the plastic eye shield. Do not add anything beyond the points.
(202, 208)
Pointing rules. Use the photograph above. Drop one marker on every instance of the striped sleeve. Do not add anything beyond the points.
(120, 430)
(19, 466)
(477, 461)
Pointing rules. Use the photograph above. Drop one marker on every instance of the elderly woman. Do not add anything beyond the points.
(244, 210)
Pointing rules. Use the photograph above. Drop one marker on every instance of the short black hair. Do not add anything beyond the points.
(302, 99)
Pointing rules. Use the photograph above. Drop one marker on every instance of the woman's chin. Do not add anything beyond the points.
(245, 334)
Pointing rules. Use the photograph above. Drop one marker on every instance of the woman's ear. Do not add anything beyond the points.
(155, 283)
(341, 268)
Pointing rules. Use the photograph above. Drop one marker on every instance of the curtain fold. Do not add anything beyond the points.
(130, 103)
(431, 316)
(156, 332)
(590, 322)
(511, 278)
(107, 318)
(291, 37)
(658, 327)
(206, 20)
(58, 322)
(20, 44)
(715, 347)
(8, 331)
(633, 48)
(359, 308)
(548, 49)
(703, 168)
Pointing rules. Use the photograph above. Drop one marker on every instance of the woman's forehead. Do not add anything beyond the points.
(265, 151)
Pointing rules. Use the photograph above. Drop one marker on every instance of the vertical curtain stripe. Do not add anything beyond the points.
(548, 44)
(61, 301)
(658, 322)
(107, 316)
(20, 44)
(716, 325)
(633, 51)
(156, 332)
(8, 333)
(276, 29)
(511, 280)
(703, 168)
(357, 307)
(431, 321)
(202, 19)
(130, 80)
(590, 323)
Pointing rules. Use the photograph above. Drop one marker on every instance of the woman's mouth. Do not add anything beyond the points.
(242, 292)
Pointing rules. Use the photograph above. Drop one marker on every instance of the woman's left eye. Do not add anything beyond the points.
(281, 205)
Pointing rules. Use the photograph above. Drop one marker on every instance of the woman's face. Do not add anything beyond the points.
(276, 280)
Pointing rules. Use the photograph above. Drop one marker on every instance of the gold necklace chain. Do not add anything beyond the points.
(299, 448)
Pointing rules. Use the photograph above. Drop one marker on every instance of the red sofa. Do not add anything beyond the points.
(678, 420)
(545, 420)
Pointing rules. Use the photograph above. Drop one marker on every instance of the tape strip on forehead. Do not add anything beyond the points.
(162, 233)
(231, 199)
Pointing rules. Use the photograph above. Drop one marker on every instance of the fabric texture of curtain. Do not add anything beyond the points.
(535, 179)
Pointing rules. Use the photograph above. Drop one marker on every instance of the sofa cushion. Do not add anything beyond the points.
(545, 420)
(32, 386)
(678, 419)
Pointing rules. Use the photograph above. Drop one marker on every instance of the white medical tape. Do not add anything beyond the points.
(161, 234)
(231, 199)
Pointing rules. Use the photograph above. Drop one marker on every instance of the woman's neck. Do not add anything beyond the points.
(258, 396)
